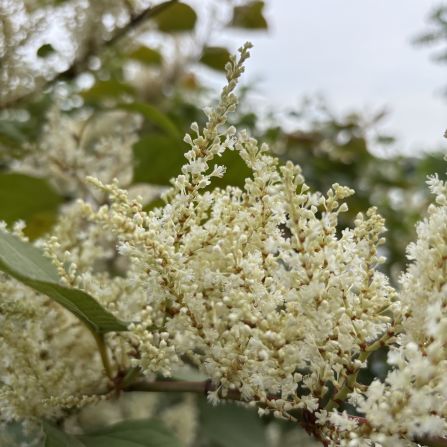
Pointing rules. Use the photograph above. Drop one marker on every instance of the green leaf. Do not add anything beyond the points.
(249, 16)
(229, 425)
(236, 170)
(14, 434)
(146, 55)
(158, 158)
(45, 50)
(153, 115)
(136, 433)
(40, 223)
(179, 17)
(215, 57)
(24, 197)
(11, 134)
(26, 263)
(57, 438)
(110, 88)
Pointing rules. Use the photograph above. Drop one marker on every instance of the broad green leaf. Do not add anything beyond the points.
(249, 16)
(153, 115)
(228, 425)
(107, 89)
(236, 173)
(24, 197)
(26, 263)
(135, 433)
(45, 50)
(158, 158)
(215, 57)
(146, 55)
(40, 223)
(178, 17)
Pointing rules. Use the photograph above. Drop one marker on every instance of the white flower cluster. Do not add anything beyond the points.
(40, 342)
(254, 286)
(413, 400)
(73, 147)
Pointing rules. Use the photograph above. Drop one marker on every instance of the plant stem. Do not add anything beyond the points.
(130, 377)
(102, 348)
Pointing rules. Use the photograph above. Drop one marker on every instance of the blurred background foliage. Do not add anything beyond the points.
(91, 58)
(436, 35)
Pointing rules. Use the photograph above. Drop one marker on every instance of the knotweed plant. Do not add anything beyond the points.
(256, 287)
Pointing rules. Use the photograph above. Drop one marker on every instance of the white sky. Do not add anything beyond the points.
(359, 55)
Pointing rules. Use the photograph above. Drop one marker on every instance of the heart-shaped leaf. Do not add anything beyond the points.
(179, 17)
(249, 16)
(215, 57)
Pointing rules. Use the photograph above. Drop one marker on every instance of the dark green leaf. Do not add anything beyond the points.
(215, 57)
(11, 134)
(40, 223)
(24, 197)
(26, 263)
(45, 50)
(13, 434)
(158, 158)
(57, 438)
(177, 18)
(146, 55)
(249, 16)
(153, 115)
(229, 425)
(236, 173)
(137, 433)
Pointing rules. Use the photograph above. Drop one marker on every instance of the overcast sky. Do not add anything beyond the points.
(359, 55)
